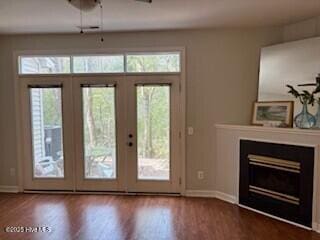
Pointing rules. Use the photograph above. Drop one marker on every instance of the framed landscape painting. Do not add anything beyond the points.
(276, 114)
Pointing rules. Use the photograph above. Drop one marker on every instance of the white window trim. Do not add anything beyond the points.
(183, 91)
(97, 52)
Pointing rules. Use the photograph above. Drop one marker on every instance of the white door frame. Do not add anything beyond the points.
(18, 107)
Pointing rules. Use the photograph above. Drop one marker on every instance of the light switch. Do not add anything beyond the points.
(200, 175)
(190, 131)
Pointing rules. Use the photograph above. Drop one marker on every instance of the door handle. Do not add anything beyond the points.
(130, 144)
(130, 135)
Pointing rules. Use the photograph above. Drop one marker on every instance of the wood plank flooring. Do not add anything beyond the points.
(137, 217)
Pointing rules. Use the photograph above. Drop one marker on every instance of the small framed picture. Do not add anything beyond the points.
(273, 114)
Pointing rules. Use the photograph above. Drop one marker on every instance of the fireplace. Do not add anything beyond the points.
(277, 179)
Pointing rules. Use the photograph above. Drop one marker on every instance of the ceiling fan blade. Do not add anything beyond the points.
(146, 1)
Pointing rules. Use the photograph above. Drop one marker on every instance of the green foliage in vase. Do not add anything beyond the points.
(304, 96)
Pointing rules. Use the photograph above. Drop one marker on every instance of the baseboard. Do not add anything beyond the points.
(200, 193)
(226, 197)
(316, 227)
(9, 189)
(211, 194)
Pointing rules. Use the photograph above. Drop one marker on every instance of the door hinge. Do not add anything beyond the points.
(180, 87)
(180, 181)
(180, 135)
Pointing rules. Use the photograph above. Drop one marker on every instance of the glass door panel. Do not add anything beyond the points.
(100, 137)
(47, 140)
(99, 127)
(153, 132)
(153, 143)
(47, 132)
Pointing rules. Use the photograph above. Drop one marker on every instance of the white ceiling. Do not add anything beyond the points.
(58, 16)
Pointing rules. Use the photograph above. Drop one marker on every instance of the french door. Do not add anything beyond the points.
(153, 134)
(102, 133)
(47, 133)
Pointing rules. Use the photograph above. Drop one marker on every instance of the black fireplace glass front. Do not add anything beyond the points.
(275, 180)
(273, 189)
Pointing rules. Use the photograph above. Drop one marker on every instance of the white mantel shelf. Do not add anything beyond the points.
(298, 131)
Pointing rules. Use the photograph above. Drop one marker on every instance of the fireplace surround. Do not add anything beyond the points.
(277, 179)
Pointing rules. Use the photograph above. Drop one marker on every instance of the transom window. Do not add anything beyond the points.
(150, 62)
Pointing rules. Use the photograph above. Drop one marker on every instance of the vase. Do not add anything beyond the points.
(317, 125)
(305, 119)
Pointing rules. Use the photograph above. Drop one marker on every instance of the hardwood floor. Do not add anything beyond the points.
(137, 217)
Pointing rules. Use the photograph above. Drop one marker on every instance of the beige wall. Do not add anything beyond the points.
(2, 170)
(7, 134)
(222, 77)
(301, 30)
